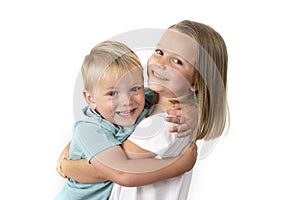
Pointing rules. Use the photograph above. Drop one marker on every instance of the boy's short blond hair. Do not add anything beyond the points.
(108, 57)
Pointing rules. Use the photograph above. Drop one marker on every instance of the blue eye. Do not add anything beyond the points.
(134, 89)
(112, 93)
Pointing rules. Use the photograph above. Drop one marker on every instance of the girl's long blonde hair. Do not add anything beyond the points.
(211, 78)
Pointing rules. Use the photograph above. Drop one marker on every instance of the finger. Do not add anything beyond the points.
(181, 128)
(173, 129)
(173, 119)
(185, 133)
(58, 169)
(195, 146)
(67, 156)
(62, 174)
(174, 112)
(176, 106)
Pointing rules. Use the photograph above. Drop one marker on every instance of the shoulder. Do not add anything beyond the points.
(91, 131)
(152, 128)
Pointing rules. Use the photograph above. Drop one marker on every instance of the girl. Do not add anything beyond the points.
(189, 64)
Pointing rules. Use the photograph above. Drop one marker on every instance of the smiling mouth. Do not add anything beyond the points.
(158, 76)
(126, 113)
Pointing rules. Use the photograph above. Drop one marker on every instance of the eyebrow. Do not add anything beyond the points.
(110, 89)
(133, 84)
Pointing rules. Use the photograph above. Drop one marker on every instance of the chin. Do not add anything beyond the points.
(155, 87)
(128, 122)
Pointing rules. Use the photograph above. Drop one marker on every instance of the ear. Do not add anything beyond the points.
(89, 99)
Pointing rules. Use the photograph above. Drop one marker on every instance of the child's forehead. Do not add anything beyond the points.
(180, 44)
(116, 76)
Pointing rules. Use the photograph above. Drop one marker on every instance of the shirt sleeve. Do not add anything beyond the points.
(91, 139)
(153, 134)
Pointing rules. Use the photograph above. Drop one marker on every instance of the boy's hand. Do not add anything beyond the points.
(64, 155)
(185, 115)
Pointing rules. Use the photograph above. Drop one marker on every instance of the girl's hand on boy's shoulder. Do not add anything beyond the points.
(185, 115)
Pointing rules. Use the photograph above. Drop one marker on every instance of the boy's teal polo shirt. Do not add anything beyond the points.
(91, 136)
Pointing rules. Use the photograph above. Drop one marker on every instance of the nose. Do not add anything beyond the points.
(125, 99)
(162, 62)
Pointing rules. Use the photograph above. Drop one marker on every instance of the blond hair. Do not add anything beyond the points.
(211, 78)
(108, 57)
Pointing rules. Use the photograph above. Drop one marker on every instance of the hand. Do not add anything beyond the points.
(64, 155)
(188, 156)
(185, 115)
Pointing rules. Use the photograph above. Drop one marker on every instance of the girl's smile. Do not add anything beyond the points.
(158, 76)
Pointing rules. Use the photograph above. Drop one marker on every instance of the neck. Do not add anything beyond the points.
(166, 102)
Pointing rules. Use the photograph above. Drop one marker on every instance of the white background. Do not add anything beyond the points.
(42, 45)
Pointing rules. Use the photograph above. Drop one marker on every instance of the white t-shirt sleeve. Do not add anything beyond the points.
(153, 134)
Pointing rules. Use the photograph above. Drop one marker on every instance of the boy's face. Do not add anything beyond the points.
(121, 100)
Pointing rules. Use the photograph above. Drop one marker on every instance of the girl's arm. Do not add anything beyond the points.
(77, 168)
(139, 172)
(64, 155)
(129, 172)
(81, 171)
(134, 151)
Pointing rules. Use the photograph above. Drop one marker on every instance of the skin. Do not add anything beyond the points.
(98, 172)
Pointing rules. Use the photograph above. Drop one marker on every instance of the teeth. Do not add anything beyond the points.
(159, 76)
(124, 113)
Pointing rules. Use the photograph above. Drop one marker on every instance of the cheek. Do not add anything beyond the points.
(151, 60)
(140, 99)
(105, 106)
(190, 75)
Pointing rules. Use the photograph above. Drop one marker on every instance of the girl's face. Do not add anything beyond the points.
(120, 100)
(170, 68)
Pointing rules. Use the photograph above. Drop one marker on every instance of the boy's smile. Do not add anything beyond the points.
(121, 100)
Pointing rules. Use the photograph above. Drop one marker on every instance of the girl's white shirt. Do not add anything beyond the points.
(153, 134)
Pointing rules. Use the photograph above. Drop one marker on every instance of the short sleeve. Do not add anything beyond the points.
(153, 134)
(90, 139)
